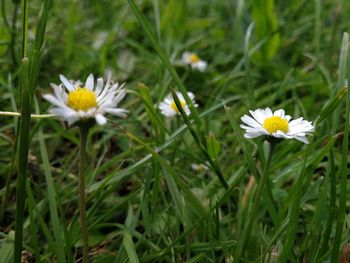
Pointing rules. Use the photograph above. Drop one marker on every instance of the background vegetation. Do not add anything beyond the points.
(145, 202)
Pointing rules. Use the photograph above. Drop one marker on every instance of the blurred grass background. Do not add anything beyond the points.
(145, 206)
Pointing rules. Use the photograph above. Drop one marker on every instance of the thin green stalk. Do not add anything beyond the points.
(51, 193)
(23, 148)
(318, 26)
(342, 69)
(24, 28)
(23, 138)
(9, 175)
(83, 130)
(343, 186)
(32, 225)
(294, 214)
(332, 205)
(254, 209)
(14, 35)
(251, 96)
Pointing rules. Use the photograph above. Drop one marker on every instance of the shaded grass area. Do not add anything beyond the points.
(145, 202)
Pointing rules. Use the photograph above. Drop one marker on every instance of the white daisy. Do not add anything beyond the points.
(199, 167)
(276, 124)
(168, 107)
(194, 61)
(89, 101)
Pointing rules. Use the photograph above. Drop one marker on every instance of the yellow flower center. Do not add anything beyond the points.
(82, 99)
(276, 123)
(194, 58)
(173, 105)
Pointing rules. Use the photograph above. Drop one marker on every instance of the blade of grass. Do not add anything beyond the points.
(23, 148)
(51, 194)
(32, 226)
(339, 88)
(6, 250)
(23, 137)
(249, 83)
(129, 247)
(343, 176)
(293, 214)
(39, 218)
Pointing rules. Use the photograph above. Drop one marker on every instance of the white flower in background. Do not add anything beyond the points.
(199, 167)
(194, 61)
(276, 124)
(74, 102)
(168, 107)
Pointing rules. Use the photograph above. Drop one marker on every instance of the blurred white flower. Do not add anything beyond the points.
(276, 124)
(168, 107)
(88, 101)
(199, 167)
(194, 61)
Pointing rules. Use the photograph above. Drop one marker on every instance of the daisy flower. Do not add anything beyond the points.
(194, 61)
(74, 102)
(168, 107)
(275, 124)
(199, 167)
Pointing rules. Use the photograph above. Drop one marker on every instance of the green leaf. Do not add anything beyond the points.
(266, 23)
(129, 247)
(213, 146)
(6, 251)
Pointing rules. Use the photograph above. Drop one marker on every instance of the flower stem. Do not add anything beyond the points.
(252, 213)
(83, 130)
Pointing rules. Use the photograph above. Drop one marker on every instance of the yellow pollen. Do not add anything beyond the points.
(276, 123)
(194, 58)
(173, 105)
(82, 99)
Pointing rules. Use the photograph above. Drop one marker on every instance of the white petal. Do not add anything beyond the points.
(119, 97)
(268, 113)
(190, 95)
(90, 82)
(60, 94)
(67, 83)
(302, 139)
(200, 65)
(250, 121)
(54, 100)
(186, 57)
(100, 119)
(259, 115)
(164, 106)
(118, 112)
(99, 86)
(72, 120)
(280, 134)
(279, 113)
(251, 135)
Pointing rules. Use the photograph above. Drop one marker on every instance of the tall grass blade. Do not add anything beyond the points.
(23, 148)
(51, 194)
(342, 174)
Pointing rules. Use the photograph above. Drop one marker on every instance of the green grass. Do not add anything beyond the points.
(144, 201)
